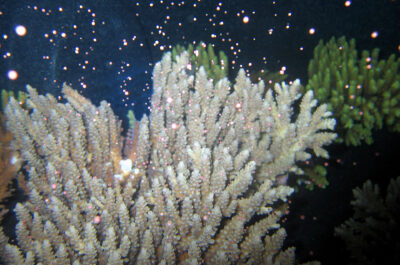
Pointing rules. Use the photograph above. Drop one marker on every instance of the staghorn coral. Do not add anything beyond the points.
(371, 234)
(362, 90)
(203, 167)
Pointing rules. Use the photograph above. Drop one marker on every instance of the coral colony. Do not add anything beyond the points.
(193, 176)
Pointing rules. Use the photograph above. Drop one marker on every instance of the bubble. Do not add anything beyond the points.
(20, 30)
(12, 74)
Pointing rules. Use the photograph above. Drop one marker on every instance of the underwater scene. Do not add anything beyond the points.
(200, 132)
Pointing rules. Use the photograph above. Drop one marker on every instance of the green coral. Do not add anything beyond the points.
(131, 119)
(268, 77)
(313, 176)
(5, 97)
(362, 91)
(204, 55)
(217, 66)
